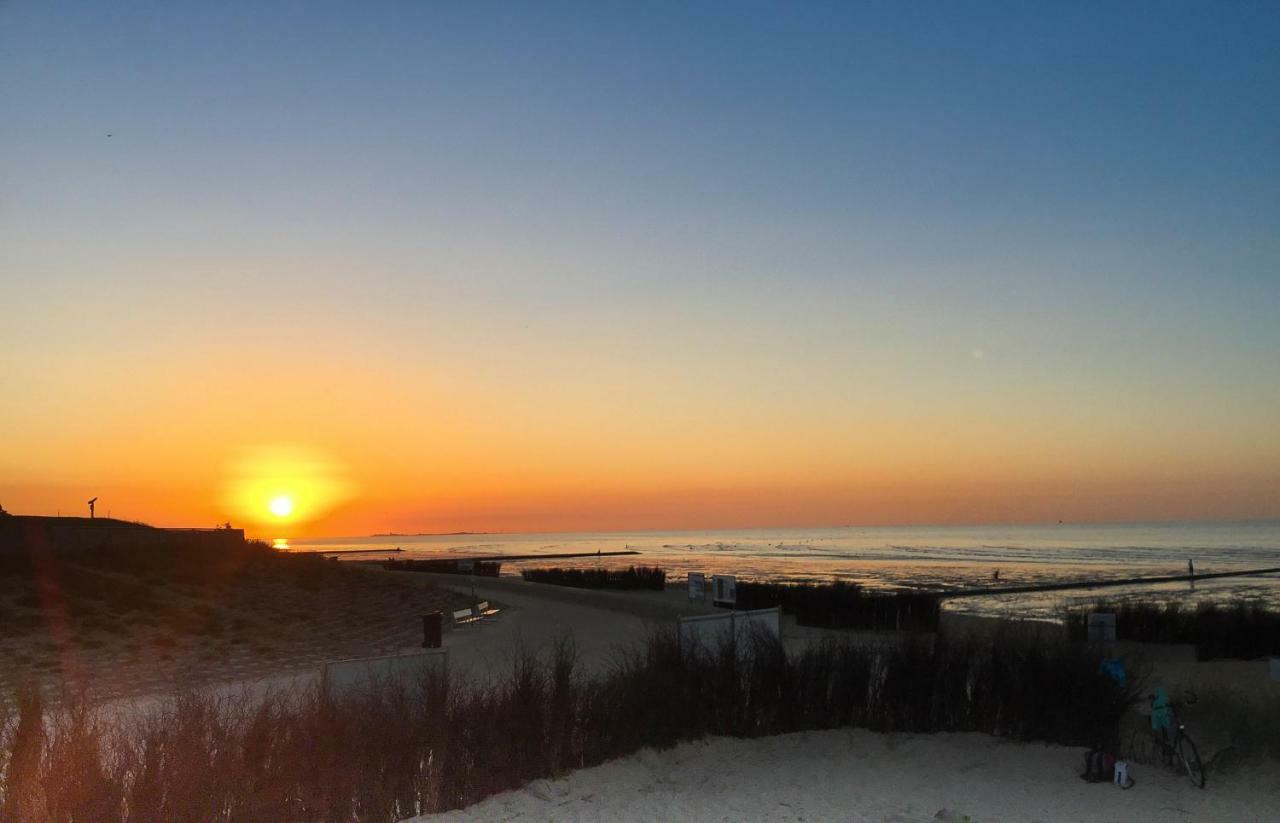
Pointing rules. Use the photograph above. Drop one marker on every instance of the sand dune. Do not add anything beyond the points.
(122, 633)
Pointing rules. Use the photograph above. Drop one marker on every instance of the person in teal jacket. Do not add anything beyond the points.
(1161, 715)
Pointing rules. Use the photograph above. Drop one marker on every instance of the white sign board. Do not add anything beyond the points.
(1102, 627)
(362, 672)
(710, 631)
(697, 586)
(724, 589)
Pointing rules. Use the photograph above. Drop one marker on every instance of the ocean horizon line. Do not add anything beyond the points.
(801, 527)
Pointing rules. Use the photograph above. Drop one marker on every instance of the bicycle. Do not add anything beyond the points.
(1181, 749)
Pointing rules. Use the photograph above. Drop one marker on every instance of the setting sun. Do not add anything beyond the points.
(266, 485)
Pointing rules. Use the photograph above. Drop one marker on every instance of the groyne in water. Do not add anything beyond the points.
(498, 558)
(1099, 584)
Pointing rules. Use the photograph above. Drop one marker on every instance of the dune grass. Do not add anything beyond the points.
(394, 750)
(842, 605)
(1243, 629)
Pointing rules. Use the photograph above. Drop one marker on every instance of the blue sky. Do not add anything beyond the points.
(1059, 213)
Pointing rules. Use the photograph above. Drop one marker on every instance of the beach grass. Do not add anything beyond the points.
(396, 749)
(843, 605)
(1243, 629)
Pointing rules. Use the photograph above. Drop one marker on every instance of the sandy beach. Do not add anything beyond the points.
(858, 775)
(845, 774)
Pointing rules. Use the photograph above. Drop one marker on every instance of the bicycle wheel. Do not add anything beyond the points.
(1190, 757)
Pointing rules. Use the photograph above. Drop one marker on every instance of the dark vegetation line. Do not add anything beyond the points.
(514, 557)
(396, 750)
(843, 605)
(1100, 584)
(396, 550)
(631, 578)
(1243, 629)
(479, 568)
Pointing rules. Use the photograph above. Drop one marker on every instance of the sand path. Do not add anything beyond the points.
(535, 616)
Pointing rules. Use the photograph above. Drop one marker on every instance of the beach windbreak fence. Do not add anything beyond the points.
(712, 631)
(346, 676)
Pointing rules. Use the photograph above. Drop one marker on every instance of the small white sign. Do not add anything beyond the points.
(1102, 627)
(724, 589)
(697, 586)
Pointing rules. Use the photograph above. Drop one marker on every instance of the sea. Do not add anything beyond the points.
(933, 558)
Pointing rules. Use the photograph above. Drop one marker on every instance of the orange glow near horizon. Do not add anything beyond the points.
(615, 472)
(721, 431)
(279, 487)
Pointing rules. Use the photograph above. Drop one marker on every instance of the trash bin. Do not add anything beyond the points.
(432, 628)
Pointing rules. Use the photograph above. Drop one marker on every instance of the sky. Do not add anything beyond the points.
(507, 267)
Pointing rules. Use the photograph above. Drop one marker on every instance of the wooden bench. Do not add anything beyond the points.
(475, 614)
